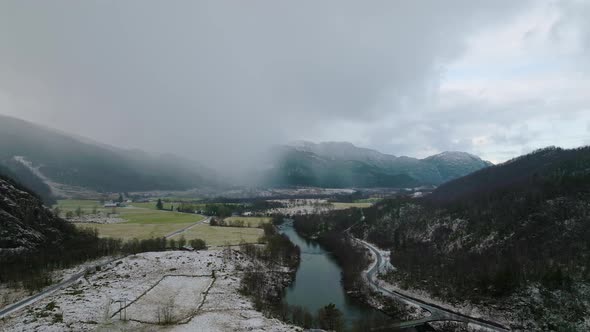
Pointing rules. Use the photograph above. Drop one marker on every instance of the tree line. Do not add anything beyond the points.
(32, 270)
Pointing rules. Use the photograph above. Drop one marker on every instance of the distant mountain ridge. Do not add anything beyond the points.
(81, 163)
(342, 164)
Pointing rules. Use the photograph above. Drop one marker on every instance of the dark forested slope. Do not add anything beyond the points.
(512, 238)
(342, 165)
(511, 229)
(15, 170)
(77, 162)
(34, 241)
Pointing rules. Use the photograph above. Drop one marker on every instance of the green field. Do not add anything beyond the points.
(128, 231)
(147, 216)
(152, 205)
(343, 206)
(219, 236)
(87, 206)
(132, 214)
(369, 200)
(251, 221)
(72, 204)
(213, 235)
(143, 221)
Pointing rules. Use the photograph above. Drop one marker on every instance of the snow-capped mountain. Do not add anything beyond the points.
(342, 164)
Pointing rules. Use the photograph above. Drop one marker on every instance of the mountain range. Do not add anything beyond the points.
(69, 165)
(56, 164)
(341, 165)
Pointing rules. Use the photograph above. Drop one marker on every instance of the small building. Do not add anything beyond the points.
(110, 204)
(247, 214)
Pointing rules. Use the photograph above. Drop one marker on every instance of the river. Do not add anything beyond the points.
(317, 282)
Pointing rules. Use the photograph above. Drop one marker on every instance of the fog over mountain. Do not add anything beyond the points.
(221, 81)
(343, 165)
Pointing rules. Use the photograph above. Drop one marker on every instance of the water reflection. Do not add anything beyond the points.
(317, 282)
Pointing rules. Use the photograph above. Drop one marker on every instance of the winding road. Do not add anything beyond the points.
(51, 289)
(182, 230)
(69, 281)
(437, 313)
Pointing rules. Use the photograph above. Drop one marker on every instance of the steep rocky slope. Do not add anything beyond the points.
(25, 223)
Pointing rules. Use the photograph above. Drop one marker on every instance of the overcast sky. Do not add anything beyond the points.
(224, 79)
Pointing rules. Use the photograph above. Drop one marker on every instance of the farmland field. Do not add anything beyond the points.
(151, 205)
(72, 204)
(369, 200)
(128, 231)
(144, 222)
(252, 221)
(133, 214)
(343, 206)
(218, 236)
(147, 216)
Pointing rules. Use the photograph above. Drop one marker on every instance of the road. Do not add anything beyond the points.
(182, 230)
(437, 313)
(49, 290)
(65, 283)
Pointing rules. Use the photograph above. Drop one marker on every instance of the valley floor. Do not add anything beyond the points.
(154, 291)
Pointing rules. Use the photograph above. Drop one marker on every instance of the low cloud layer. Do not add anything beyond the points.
(219, 81)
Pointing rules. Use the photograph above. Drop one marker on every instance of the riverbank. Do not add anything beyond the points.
(319, 281)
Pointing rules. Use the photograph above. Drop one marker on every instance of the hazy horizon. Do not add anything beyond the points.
(226, 80)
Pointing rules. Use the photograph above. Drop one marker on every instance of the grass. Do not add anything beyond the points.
(213, 235)
(343, 206)
(253, 221)
(141, 223)
(219, 236)
(133, 214)
(72, 204)
(128, 231)
(86, 205)
(147, 216)
(145, 224)
(369, 200)
(152, 205)
(144, 221)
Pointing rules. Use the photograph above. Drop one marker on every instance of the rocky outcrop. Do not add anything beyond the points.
(25, 223)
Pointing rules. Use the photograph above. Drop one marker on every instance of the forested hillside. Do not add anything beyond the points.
(546, 172)
(513, 239)
(15, 170)
(34, 241)
(342, 165)
(74, 162)
(498, 235)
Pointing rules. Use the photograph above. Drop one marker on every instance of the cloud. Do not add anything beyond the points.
(220, 81)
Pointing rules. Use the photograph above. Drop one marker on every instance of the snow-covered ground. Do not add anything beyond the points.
(97, 218)
(301, 206)
(516, 311)
(202, 300)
